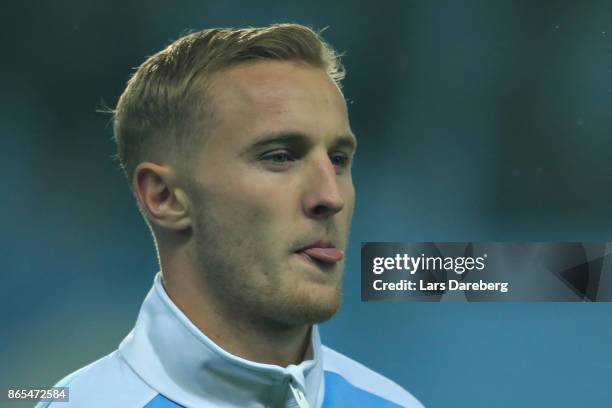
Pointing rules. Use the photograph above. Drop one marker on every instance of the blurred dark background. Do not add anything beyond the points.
(477, 120)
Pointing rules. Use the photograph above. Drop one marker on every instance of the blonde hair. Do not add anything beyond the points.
(162, 110)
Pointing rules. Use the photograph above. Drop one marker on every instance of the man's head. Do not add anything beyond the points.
(238, 147)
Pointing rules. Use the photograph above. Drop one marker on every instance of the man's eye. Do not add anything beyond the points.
(278, 157)
(339, 159)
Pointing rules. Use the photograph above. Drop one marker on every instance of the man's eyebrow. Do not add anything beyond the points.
(279, 138)
(348, 140)
(299, 139)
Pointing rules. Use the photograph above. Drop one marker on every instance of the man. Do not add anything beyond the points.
(238, 149)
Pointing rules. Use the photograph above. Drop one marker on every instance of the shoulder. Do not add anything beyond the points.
(107, 382)
(347, 380)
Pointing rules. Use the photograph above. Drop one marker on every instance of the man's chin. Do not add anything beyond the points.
(311, 306)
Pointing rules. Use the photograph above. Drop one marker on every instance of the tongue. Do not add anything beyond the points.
(325, 254)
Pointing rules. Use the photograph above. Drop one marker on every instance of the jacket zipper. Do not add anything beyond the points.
(298, 394)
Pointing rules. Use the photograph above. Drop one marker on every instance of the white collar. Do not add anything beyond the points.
(177, 360)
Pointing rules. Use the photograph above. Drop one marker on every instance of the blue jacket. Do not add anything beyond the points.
(166, 362)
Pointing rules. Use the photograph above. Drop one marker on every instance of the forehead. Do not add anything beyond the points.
(275, 96)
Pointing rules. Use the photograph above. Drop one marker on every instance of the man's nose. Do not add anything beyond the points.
(322, 198)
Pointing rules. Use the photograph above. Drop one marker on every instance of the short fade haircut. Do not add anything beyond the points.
(161, 113)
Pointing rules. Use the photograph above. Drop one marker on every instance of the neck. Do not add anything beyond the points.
(253, 339)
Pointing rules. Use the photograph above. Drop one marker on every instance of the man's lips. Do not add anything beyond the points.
(322, 252)
(329, 255)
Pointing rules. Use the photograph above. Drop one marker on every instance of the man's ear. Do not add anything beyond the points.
(162, 201)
